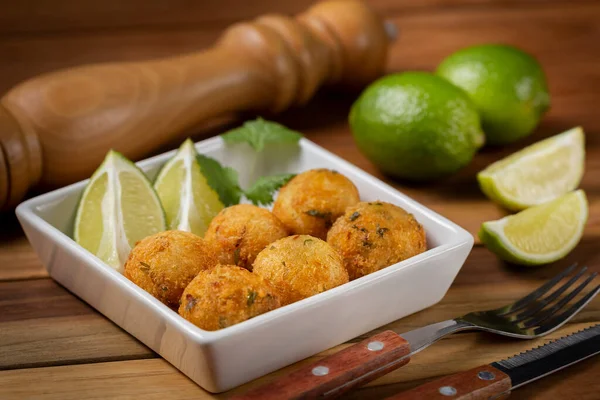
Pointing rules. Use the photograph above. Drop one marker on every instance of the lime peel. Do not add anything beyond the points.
(538, 173)
(118, 231)
(190, 202)
(527, 242)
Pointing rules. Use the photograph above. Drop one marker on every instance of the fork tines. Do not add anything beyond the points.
(547, 307)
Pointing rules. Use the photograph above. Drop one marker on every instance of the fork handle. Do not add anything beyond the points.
(339, 372)
(480, 383)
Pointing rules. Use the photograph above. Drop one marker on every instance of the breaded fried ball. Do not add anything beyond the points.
(226, 295)
(240, 232)
(311, 202)
(300, 266)
(372, 236)
(163, 264)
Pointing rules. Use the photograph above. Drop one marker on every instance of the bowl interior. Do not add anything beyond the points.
(58, 208)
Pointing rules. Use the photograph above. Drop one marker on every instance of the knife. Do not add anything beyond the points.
(498, 379)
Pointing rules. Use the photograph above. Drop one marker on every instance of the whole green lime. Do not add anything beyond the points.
(507, 85)
(416, 126)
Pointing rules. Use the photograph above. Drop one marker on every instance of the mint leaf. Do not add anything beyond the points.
(259, 132)
(223, 180)
(261, 192)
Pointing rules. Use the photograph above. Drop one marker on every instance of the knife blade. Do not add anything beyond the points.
(501, 377)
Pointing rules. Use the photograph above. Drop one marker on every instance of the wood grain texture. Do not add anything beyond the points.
(147, 379)
(42, 325)
(155, 378)
(39, 16)
(267, 64)
(340, 372)
(465, 385)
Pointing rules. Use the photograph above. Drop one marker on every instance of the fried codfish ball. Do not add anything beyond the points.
(372, 236)
(226, 295)
(300, 266)
(311, 202)
(240, 232)
(163, 264)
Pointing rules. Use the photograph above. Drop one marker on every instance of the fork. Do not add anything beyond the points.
(539, 313)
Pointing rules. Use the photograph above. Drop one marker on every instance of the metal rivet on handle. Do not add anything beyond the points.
(321, 370)
(375, 346)
(486, 375)
(447, 391)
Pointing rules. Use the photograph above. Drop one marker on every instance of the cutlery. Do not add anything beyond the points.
(538, 313)
(499, 378)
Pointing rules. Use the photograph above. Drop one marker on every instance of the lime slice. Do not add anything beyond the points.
(538, 173)
(540, 234)
(117, 209)
(189, 202)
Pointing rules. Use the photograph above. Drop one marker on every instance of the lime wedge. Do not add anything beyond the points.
(189, 202)
(117, 209)
(538, 173)
(540, 234)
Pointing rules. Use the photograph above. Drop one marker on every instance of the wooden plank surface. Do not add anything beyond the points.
(40, 16)
(49, 339)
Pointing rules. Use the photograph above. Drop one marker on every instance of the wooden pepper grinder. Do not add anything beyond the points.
(56, 128)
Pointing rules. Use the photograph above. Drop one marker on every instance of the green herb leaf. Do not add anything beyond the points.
(251, 297)
(223, 322)
(224, 180)
(145, 267)
(381, 231)
(259, 132)
(261, 192)
(236, 256)
(354, 216)
(191, 302)
(318, 214)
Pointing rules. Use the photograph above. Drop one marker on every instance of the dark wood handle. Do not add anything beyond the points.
(340, 372)
(478, 383)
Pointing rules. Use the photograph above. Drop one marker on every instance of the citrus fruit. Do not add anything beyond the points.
(538, 173)
(189, 202)
(117, 209)
(507, 85)
(540, 234)
(416, 126)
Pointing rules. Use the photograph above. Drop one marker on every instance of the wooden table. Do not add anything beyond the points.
(52, 345)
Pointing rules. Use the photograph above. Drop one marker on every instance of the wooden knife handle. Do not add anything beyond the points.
(480, 383)
(56, 128)
(333, 375)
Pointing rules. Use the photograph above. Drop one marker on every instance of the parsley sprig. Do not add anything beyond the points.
(259, 132)
(261, 192)
(225, 181)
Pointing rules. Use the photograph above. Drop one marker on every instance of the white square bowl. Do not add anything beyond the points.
(223, 359)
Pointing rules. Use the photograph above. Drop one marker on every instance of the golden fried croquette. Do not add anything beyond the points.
(226, 295)
(300, 266)
(240, 232)
(163, 264)
(311, 202)
(372, 236)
